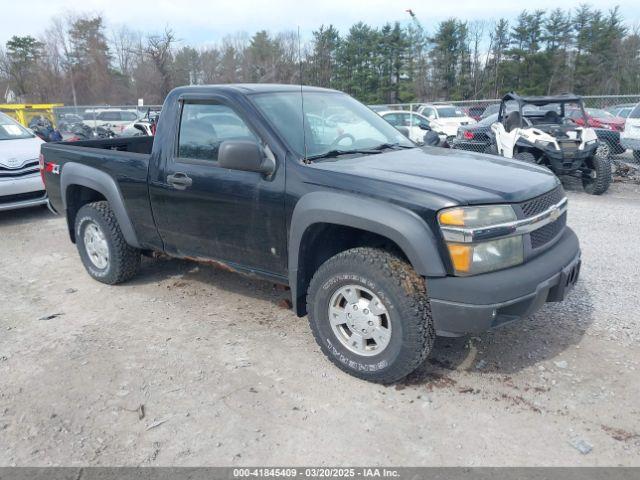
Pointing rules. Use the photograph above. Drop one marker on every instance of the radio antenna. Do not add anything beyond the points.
(304, 130)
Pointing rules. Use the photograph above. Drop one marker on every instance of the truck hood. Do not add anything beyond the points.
(15, 153)
(457, 176)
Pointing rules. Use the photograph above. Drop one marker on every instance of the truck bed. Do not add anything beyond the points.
(142, 144)
(126, 160)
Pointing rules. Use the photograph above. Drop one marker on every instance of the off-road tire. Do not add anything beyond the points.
(604, 150)
(636, 155)
(124, 260)
(602, 180)
(526, 157)
(404, 294)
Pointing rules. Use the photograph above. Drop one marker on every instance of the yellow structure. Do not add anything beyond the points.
(24, 112)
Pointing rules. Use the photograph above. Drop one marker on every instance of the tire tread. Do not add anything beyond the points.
(125, 258)
(415, 308)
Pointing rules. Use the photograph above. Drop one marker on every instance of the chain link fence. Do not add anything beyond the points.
(468, 125)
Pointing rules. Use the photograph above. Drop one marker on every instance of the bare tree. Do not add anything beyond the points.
(159, 50)
(126, 45)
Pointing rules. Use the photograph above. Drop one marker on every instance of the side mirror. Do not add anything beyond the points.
(424, 126)
(245, 155)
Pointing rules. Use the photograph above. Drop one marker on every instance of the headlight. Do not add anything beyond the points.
(463, 228)
(469, 259)
(474, 217)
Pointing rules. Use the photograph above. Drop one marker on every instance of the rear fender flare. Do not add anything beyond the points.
(410, 232)
(85, 176)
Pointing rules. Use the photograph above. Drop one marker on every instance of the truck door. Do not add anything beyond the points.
(205, 211)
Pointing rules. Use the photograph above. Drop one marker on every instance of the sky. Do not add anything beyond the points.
(202, 22)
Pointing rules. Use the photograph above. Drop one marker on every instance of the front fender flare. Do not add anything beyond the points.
(402, 226)
(85, 176)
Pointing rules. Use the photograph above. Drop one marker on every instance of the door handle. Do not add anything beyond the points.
(180, 181)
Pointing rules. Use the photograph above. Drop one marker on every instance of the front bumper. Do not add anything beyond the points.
(22, 192)
(562, 162)
(462, 305)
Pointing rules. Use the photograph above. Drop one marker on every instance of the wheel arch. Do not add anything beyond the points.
(81, 184)
(326, 223)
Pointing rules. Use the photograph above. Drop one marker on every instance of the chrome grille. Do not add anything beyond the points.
(544, 235)
(539, 204)
(26, 169)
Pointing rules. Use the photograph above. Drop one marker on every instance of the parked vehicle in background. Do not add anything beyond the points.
(383, 244)
(20, 181)
(23, 113)
(80, 131)
(44, 129)
(144, 126)
(417, 125)
(112, 119)
(478, 138)
(475, 111)
(630, 137)
(596, 118)
(548, 137)
(490, 110)
(623, 110)
(445, 119)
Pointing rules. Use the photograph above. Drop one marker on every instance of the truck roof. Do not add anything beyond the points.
(249, 88)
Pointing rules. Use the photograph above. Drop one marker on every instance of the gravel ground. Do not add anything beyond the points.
(188, 365)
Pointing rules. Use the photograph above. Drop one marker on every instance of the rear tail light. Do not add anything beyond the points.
(468, 135)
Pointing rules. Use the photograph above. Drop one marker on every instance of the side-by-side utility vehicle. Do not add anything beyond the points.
(552, 131)
(383, 244)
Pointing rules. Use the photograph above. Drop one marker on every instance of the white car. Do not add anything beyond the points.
(20, 181)
(417, 124)
(630, 136)
(113, 119)
(445, 119)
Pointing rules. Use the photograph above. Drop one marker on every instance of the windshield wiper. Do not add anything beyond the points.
(387, 146)
(337, 153)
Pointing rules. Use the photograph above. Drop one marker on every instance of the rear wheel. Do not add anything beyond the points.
(370, 314)
(103, 250)
(598, 180)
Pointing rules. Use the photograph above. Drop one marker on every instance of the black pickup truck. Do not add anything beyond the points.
(383, 244)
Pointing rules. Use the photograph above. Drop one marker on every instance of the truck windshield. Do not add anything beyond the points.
(333, 122)
(12, 130)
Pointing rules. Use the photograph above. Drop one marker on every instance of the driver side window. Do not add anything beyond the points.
(204, 126)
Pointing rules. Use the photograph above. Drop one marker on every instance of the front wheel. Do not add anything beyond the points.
(103, 250)
(604, 150)
(636, 155)
(370, 314)
(598, 180)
